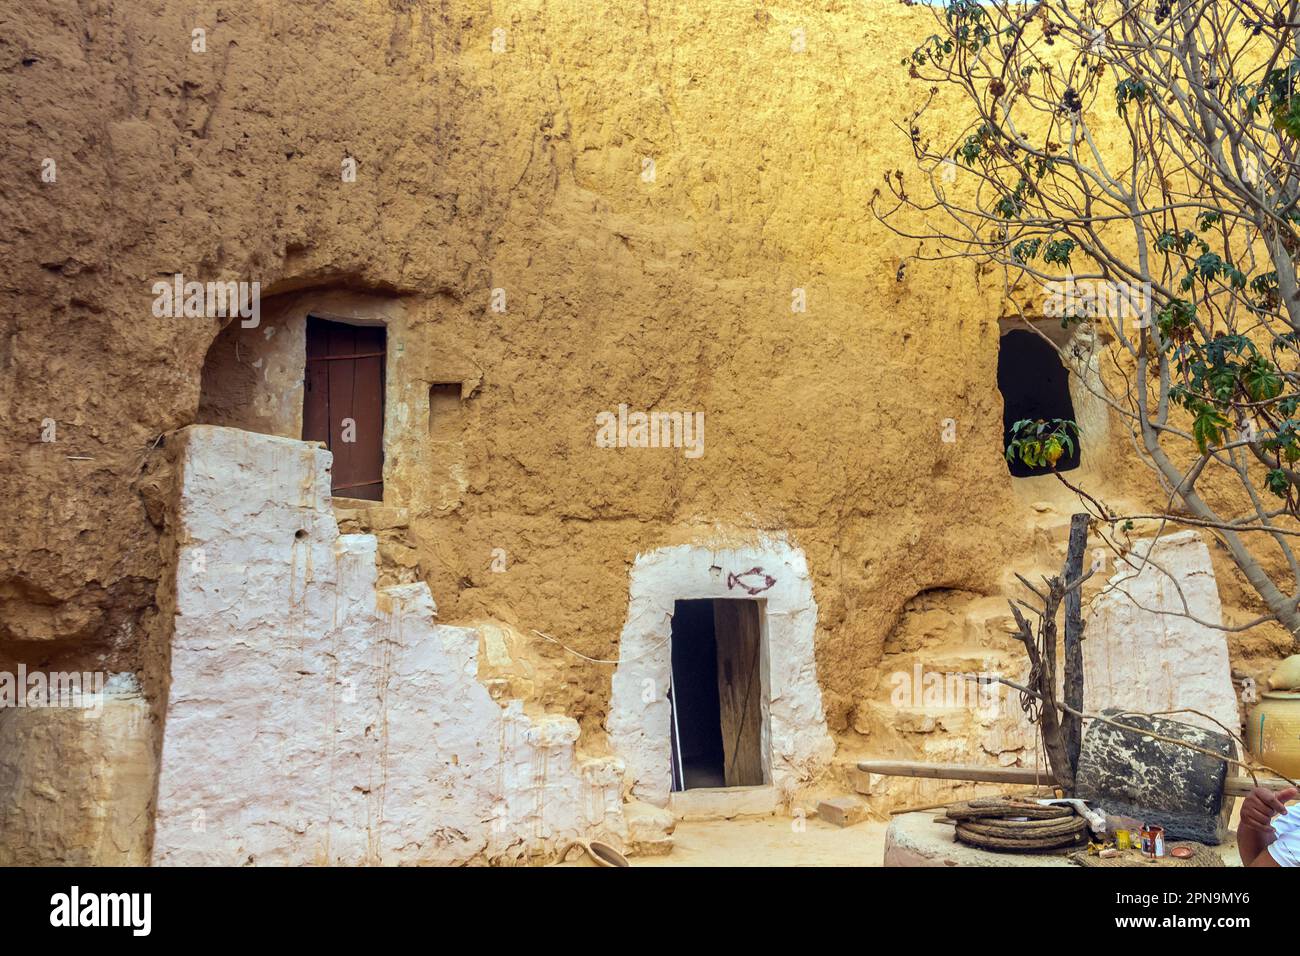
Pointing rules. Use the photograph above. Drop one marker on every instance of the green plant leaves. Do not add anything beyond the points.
(1209, 427)
(1040, 443)
(1058, 251)
(1127, 91)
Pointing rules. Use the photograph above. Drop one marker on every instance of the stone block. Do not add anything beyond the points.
(1129, 774)
(842, 811)
(649, 829)
(863, 782)
(724, 803)
(1145, 647)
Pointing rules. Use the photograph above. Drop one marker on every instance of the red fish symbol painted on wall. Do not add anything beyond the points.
(754, 581)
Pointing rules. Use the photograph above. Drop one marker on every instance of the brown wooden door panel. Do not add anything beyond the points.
(368, 410)
(738, 633)
(344, 399)
(315, 404)
(342, 385)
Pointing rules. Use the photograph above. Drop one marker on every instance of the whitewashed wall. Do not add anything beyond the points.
(312, 720)
(1149, 641)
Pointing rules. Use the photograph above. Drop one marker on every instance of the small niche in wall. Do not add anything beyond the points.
(446, 412)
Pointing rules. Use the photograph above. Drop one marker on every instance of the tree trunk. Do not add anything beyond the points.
(1050, 718)
(1072, 726)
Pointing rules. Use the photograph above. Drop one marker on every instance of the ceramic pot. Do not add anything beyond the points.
(1273, 731)
(597, 853)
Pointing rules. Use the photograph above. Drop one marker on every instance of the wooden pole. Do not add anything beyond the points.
(1072, 725)
(1232, 786)
(1043, 672)
(957, 771)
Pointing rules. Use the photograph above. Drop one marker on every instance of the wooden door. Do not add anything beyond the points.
(343, 403)
(737, 631)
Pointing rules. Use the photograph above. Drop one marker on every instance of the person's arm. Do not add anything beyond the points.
(1255, 833)
(1264, 860)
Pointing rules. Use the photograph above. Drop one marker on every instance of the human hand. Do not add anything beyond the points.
(1259, 808)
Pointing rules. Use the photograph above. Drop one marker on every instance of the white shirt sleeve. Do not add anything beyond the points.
(1285, 850)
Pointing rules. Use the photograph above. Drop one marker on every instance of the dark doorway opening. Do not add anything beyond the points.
(343, 403)
(1034, 384)
(717, 694)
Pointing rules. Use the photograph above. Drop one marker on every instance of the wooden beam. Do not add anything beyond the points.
(957, 771)
(1232, 787)
(1071, 725)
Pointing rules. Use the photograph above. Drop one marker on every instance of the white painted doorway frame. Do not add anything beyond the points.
(797, 743)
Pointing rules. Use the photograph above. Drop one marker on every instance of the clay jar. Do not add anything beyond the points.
(1273, 731)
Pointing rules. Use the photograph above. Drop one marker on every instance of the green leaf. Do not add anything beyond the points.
(1208, 427)
(1058, 252)
(1025, 250)
(1170, 241)
(1176, 318)
(1262, 380)
(1036, 441)
(1211, 265)
(1129, 91)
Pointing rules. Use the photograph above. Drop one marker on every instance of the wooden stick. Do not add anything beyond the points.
(957, 771)
(1232, 786)
(1072, 726)
(1043, 794)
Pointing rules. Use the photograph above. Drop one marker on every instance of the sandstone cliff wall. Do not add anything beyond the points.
(524, 170)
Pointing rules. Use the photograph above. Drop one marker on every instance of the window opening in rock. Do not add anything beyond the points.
(1034, 385)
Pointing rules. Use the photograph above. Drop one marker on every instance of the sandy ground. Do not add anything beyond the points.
(772, 841)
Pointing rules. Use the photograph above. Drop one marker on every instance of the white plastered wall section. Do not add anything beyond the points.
(312, 720)
(1151, 643)
(640, 718)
